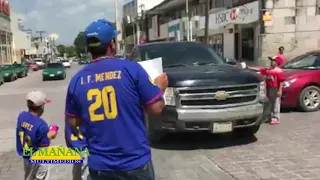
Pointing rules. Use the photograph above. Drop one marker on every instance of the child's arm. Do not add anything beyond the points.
(281, 80)
(43, 136)
(51, 134)
(262, 72)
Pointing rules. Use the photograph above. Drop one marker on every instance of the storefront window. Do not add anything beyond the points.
(3, 39)
(216, 43)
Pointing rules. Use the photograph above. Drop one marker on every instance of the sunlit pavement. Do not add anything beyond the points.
(288, 151)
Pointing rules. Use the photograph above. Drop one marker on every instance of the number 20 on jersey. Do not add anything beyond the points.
(106, 99)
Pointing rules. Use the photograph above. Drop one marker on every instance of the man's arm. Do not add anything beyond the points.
(72, 112)
(150, 93)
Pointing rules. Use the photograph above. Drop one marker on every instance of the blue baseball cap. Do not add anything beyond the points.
(102, 30)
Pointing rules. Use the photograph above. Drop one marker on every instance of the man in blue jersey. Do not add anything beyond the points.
(75, 139)
(108, 98)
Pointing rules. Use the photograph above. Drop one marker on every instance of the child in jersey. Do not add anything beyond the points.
(33, 132)
(76, 139)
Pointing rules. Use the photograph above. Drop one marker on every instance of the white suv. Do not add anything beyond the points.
(39, 62)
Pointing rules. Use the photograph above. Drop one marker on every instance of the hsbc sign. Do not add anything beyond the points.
(244, 14)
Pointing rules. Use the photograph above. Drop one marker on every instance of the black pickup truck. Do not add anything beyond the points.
(205, 93)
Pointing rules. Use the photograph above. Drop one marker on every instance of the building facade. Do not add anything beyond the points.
(5, 33)
(21, 39)
(234, 26)
(237, 28)
(134, 25)
(295, 25)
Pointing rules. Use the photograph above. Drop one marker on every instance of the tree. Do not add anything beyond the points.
(80, 44)
(71, 51)
(61, 50)
(36, 44)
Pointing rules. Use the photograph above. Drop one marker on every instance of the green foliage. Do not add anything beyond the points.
(80, 43)
(69, 50)
(61, 50)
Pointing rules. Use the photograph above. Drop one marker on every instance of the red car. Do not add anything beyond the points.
(34, 66)
(302, 82)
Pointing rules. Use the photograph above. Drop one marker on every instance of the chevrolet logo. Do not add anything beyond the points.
(221, 95)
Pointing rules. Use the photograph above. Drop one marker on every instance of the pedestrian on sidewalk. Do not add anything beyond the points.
(33, 132)
(281, 55)
(78, 140)
(274, 79)
(108, 98)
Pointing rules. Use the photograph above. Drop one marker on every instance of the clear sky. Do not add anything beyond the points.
(64, 17)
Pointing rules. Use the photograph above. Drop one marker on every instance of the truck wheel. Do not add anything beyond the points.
(309, 99)
(247, 131)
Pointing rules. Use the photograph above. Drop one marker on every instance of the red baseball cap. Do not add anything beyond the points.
(277, 59)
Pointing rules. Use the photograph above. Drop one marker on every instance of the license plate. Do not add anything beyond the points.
(51, 75)
(221, 127)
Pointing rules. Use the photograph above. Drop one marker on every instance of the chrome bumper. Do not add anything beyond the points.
(227, 114)
(175, 120)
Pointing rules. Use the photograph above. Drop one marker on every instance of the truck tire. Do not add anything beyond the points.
(247, 131)
(313, 94)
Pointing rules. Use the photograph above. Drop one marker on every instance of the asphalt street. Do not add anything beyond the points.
(288, 151)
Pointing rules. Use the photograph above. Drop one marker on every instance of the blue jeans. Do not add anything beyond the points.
(145, 172)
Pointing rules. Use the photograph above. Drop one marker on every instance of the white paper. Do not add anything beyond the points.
(153, 67)
(243, 65)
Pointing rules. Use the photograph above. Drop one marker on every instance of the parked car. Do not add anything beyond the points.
(66, 63)
(40, 63)
(302, 82)
(205, 93)
(34, 66)
(21, 70)
(9, 72)
(83, 61)
(1, 76)
(54, 71)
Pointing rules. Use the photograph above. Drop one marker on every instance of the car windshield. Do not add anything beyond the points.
(38, 60)
(7, 66)
(305, 61)
(55, 65)
(181, 54)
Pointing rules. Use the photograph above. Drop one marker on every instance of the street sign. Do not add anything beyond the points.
(267, 19)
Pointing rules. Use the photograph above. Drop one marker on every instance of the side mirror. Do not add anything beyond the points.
(230, 61)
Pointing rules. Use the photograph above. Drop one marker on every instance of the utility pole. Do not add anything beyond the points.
(206, 28)
(116, 23)
(188, 22)
(7, 45)
(41, 33)
(139, 23)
